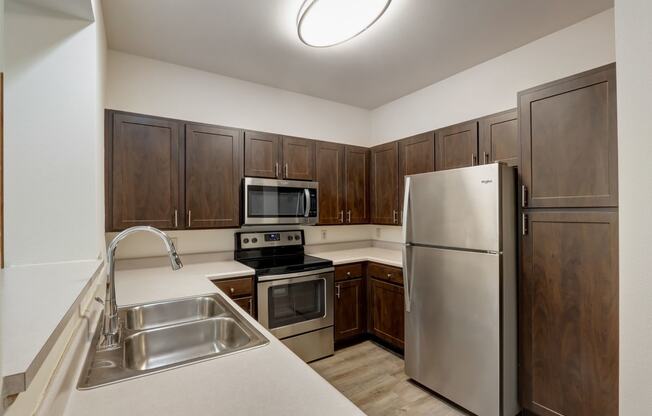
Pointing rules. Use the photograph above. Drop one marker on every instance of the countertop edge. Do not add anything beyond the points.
(19, 382)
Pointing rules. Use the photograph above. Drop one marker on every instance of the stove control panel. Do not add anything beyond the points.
(270, 239)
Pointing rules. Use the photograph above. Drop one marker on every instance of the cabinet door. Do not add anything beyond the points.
(457, 146)
(143, 172)
(349, 309)
(330, 175)
(569, 314)
(298, 158)
(357, 185)
(568, 141)
(262, 155)
(213, 175)
(384, 184)
(386, 312)
(499, 138)
(416, 154)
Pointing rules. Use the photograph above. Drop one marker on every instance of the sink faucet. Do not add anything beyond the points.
(111, 329)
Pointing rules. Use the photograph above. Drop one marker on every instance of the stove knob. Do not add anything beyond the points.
(290, 237)
(297, 237)
(254, 240)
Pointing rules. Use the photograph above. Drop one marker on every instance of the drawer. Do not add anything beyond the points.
(348, 271)
(386, 273)
(246, 304)
(236, 287)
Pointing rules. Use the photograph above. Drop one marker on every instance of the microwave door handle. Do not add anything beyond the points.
(306, 192)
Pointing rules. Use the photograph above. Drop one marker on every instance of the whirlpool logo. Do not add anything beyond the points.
(486, 181)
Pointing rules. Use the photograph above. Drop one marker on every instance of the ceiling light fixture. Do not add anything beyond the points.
(323, 23)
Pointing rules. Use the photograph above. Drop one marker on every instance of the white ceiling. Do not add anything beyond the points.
(416, 43)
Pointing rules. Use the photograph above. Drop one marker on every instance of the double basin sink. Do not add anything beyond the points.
(163, 335)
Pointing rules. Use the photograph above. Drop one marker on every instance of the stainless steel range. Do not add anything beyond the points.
(294, 290)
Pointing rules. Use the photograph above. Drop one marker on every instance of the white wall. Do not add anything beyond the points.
(153, 87)
(634, 57)
(53, 137)
(492, 86)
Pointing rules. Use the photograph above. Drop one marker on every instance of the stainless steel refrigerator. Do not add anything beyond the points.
(459, 264)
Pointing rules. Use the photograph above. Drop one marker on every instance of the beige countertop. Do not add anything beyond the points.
(269, 380)
(375, 254)
(37, 301)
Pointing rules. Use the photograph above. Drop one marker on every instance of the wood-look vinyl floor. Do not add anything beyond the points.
(373, 379)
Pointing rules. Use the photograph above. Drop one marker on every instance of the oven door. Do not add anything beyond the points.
(271, 201)
(297, 303)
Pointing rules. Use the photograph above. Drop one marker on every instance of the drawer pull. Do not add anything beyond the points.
(389, 275)
(232, 290)
(348, 274)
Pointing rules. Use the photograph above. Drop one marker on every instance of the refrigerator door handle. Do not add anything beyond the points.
(406, 277)
(406, 207)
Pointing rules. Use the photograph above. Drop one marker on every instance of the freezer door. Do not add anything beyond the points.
(454, 208)
(452, 332)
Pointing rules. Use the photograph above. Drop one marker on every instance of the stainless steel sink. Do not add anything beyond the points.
(170, 312)
(179, 343)
(164, 335)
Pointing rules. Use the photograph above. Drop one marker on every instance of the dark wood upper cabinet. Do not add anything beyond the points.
(213, 175)
(357, 185)
(569, 141)
(262, 155)
(384, 184)
(498, 139)
(386, 312)
(416, 154)
(349, 309)
(329, 167)
(298, 158)
(569, 314)
(457, 146)
(142, 166)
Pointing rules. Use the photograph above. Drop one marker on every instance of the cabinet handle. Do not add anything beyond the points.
(232, 290)
(348, 216)
(176, 218)
(286, 171)
(277, 169)
(341, 216)
(485, 155)
(337, 292)
(395, 216)
(348, 274)
(389, 275)
(524, 220)
(472, 159)
(523, 196)
(189, 218)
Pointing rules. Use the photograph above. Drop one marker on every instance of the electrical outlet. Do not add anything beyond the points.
(323, 234)
(378, 232)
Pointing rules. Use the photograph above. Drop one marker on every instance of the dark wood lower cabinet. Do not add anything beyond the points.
(349, 309)
(569, 314)
(386, 313)
(241, 290)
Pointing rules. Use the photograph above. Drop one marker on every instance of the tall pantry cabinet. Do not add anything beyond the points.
(568, 296)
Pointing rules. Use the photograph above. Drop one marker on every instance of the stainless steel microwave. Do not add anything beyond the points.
(274, 201)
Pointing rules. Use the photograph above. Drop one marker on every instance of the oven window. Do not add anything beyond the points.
(272, 201)
(296, 302)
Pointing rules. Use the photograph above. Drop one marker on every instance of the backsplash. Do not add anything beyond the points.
(210, 241)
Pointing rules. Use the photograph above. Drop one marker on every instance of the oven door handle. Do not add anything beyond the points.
(286, 276)
(306, 193)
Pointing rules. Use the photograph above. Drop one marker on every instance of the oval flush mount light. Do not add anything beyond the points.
(323, 23)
